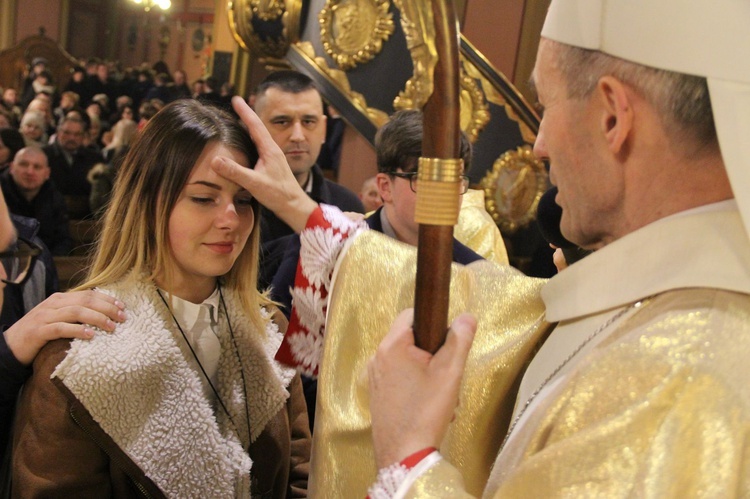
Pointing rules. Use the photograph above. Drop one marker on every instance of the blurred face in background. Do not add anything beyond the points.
(370, 196)
(67, 102)
(179, 77)
(30, 171)
(70, 135)
(32, 130)
(10, 96)
(94, 109)
(102, 72)
(127, 113)
(41, 105)
(94, 131)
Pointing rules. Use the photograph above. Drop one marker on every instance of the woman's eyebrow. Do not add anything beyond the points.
(240, 190)
(207, 184)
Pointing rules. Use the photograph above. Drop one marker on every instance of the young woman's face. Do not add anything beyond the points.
(209, 225)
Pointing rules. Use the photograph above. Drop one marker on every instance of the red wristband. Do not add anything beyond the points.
(414, 459)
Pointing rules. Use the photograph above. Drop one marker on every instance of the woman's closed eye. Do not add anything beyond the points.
(202, 200)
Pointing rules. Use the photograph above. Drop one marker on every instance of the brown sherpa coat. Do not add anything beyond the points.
(124, 414)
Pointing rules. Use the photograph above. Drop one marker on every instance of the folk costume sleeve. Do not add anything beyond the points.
(322, 241)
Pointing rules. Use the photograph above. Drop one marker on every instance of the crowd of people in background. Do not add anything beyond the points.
(86, 125)
(61, 143)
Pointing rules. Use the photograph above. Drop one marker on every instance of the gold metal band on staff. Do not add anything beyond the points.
(438, 191)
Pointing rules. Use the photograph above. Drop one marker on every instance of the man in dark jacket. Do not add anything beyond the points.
(29, 193)
(70, 162)
(292, 109)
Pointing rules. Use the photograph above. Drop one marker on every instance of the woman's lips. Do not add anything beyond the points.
(222, 248)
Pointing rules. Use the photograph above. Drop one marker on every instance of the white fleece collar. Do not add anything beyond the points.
(139, 386)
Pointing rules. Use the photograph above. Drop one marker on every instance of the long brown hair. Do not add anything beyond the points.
(134, 238)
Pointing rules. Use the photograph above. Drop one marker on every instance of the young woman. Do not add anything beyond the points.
(183, 399)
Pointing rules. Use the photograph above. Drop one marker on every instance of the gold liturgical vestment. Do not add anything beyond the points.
(657, 404)
(477, 230)
(373, 282)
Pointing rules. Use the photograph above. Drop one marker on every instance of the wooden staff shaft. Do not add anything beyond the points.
(441, 140)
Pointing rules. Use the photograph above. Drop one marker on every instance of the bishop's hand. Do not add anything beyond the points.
(413, 394)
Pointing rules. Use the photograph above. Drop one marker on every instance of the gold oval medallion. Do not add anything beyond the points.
(475, 113)
(513, 188)
(353, 31)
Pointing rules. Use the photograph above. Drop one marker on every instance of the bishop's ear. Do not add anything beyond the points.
(616, 112)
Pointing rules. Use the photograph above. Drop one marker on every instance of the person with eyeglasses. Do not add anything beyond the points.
(62, 315)
(398, 146)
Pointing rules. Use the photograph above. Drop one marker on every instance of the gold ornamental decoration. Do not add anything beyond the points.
(268, 43)
(493, 96)
(267, 10)
(353, 31)
(475, 113)
(513, 188)
(419, 29)
(339, 79)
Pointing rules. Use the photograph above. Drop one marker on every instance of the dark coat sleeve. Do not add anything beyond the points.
(61, 242)
(12, 376)
(299, 431)
(283, 279)
(299, 460)
(281, 453)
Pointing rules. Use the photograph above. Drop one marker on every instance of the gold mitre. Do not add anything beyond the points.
(708, 38)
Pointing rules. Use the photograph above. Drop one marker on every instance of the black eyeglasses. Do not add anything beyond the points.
(412, 178)
(19, 262)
